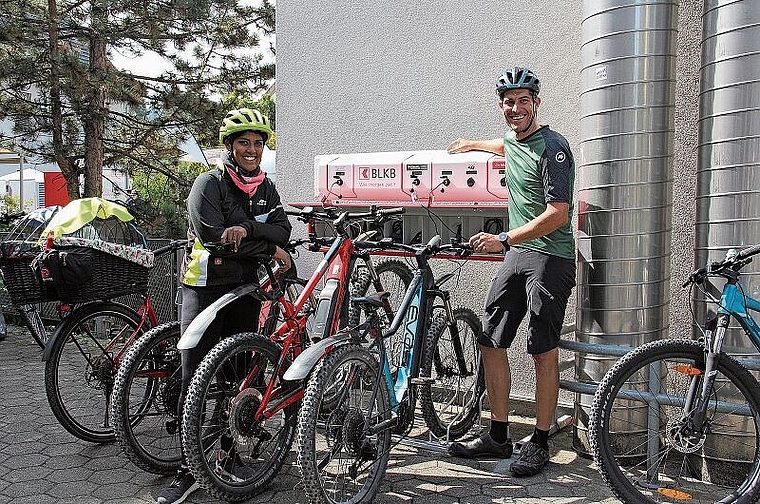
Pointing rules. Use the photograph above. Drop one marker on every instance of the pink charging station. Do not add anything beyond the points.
(453, 195)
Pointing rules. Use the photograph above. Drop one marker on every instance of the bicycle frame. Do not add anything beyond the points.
(145, 311)
(335, 270)
(734, 302)
(412, 318)
(335, 267)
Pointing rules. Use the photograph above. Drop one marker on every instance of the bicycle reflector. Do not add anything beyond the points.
(672, 493)
(688, 370)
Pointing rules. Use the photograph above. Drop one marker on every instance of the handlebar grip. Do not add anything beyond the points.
(749, 251)
(434, 242)
(174, 245)
(391, 211)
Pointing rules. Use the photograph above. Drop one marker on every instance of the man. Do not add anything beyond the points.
(538, 272)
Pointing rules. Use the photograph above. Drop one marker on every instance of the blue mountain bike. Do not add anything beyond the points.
(678, 420)
(356, 398)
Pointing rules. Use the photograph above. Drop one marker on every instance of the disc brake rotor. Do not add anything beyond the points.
(683, 438)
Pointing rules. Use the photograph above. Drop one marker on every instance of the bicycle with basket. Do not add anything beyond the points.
(93, 254)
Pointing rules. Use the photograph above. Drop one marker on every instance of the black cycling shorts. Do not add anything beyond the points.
(528, 282)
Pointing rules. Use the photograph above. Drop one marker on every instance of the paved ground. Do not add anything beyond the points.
(41, 463)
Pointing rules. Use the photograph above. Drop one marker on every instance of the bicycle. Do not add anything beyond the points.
(148, 383)
(679, 419)
(354, 402)
(240, 416)
(83, 355)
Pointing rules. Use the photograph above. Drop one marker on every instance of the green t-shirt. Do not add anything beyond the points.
(540, 169)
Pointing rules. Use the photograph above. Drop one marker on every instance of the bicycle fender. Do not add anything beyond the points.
(200, 323)
(51, 341)
(305, 362)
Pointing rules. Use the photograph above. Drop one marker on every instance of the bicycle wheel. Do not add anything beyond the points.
(30, 314)
(233, 455)
(644, 444)
(81, 366)
(145, 398)
(342, 460)
(451, 404)
(395, 277)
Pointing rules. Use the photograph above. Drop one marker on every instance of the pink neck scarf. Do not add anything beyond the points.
(247, 184)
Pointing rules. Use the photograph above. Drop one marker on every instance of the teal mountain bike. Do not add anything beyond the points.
(678, 420)
(356, 400)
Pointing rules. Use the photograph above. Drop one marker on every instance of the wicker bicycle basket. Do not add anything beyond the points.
(112, 276)
(19, 278)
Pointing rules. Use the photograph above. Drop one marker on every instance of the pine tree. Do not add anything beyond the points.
(70, 105)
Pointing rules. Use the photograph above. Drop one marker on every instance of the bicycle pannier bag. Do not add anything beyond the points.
(63, 268)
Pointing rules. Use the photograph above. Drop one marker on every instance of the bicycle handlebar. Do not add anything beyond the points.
(339, 216)
(735, 260)
(748, 252)
(171, 247)
(429, 249)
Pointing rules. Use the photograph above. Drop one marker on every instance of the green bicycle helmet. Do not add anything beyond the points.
(244, 119)
(517, 78)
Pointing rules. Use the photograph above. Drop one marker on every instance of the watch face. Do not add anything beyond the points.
(503, 237)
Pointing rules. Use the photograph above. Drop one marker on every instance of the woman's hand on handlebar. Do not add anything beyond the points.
(233, 235)
(282, 258)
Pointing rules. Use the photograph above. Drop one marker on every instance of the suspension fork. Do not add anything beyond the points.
(456, 341)
(713, 346)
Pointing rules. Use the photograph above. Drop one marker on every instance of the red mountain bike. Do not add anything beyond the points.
(239, 418)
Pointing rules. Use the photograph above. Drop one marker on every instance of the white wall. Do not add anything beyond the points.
(380, 76)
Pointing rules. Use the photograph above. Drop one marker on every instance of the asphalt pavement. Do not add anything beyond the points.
(41, 463)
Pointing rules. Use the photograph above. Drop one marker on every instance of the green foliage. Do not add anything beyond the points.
(72, 107)
(162, 183)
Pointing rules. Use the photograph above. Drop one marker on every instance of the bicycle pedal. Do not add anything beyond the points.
(422, 380)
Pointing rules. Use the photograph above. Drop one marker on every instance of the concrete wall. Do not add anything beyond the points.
(375, 76)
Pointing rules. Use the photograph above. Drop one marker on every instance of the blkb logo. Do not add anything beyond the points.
(367, 173)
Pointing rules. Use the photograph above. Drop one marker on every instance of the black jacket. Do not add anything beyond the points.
(216, 203)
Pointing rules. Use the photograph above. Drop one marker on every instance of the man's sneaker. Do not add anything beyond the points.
(531, 460)
(179, 489)
(231, 468)
(484, 446)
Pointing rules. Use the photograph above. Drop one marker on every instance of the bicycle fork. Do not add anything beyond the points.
(697, 401)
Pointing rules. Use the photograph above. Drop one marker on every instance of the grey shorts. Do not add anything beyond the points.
(528, 282)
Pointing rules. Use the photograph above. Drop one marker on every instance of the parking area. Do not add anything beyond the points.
(41, 463)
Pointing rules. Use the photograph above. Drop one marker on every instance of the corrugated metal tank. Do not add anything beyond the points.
(728, 165)
(625, 175)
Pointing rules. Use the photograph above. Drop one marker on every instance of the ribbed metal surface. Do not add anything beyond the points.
(625, 179)
(728, 164)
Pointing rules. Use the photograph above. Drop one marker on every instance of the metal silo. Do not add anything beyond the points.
(728, 165)
(625, 175)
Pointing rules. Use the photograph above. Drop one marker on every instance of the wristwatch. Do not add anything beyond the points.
(504, 239)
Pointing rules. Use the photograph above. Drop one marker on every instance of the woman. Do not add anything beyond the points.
(236, 221)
